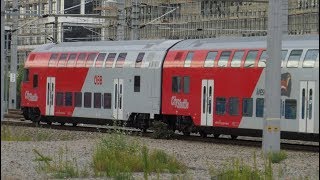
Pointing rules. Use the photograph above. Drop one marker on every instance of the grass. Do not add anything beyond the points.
(61, 167)
(7, 135)
(277, 157)
(116, 156)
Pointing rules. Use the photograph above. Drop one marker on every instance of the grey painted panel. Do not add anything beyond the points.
(145, 101)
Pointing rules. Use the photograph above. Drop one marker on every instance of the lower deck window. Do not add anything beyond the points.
(247, 106)
(107, 101)
(97, 100)
(78, 99)
(68, 99)
(87, 99)
(220, 105)
(59, 99)
(290, 109)
(234, 106)
(259, 107)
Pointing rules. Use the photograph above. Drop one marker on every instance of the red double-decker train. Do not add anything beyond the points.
(211, 86)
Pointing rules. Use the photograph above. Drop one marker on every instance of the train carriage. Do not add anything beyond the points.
(211, 86)
(219, 83)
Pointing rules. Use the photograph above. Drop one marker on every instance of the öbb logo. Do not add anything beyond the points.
(97, 80)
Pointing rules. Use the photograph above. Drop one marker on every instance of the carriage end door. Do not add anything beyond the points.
(207, 91)
(50, 95)
(118, 98)
(306, 118)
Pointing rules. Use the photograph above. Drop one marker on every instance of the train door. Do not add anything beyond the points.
(118, 98)
(50, 95)
(306, 118)
(207, 90)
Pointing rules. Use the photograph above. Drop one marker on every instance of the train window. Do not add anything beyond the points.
(35, 80)
(294, 58)
(72, 58)
(210, 59)
(81, 59)
(263, 58)
(259, 107)
(234, 106)
(68, 99)
(188, 60)
(78, 99)
(63, 57)
(178, 56)
(97, 100)
(121, 59)
(247, 107)
(139, 59)
(237, 57)
(107, 100)
(100, 59)
(310, 58)
(59, 99)
(87, 99)
(53, 59)
(90, 59)
(186, 84)
(290, 109)
(110, 59)
(176, 84)
(220, 105)
(224, 57)
(25, 75)
(250, 59)
(136, 83)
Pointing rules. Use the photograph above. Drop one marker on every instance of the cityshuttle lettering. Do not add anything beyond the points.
(179, 103)
(31, 97)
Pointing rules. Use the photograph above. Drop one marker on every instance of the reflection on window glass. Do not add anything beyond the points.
(294, 58)
(310, 58)
(237, 57)
(189, 57)
(259, 107)
(220, 105)
(290, 109)
(224, 57)
(251, 57)
(234, 106)
(247, 107)
(176, 87)
(210, 59)
(186, 84)
(263, 59)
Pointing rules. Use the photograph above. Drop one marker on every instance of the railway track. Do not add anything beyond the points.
(16, 120)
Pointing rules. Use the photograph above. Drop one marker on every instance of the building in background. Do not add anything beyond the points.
(93, 20)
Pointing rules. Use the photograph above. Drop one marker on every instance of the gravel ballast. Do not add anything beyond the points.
(17, 158)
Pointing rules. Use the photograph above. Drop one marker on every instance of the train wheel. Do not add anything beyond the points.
(74, 124)
(203, 134)
(49, 122)
(216, 136)
(234, 137)
(186, 133)
(62, 124)
(35, 116)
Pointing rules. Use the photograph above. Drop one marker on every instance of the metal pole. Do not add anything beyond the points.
(2, 59)
(271, 124)
(135, 20)
(121, 21)
(13, 63)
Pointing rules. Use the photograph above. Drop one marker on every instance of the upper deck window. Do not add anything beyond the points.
(263, 58)
(121, 59)
(224, 57)
(63, 57)
(210, 59)
(310, 58)
(82, 57)
(139, 59)
(188, 60)
(237, 57)
(90, 59)
(110, 59)
(294, 58)
(25, 75)
(250, 59)
(53, 59)
(178, 56)
(100, 59)
(72, 58)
